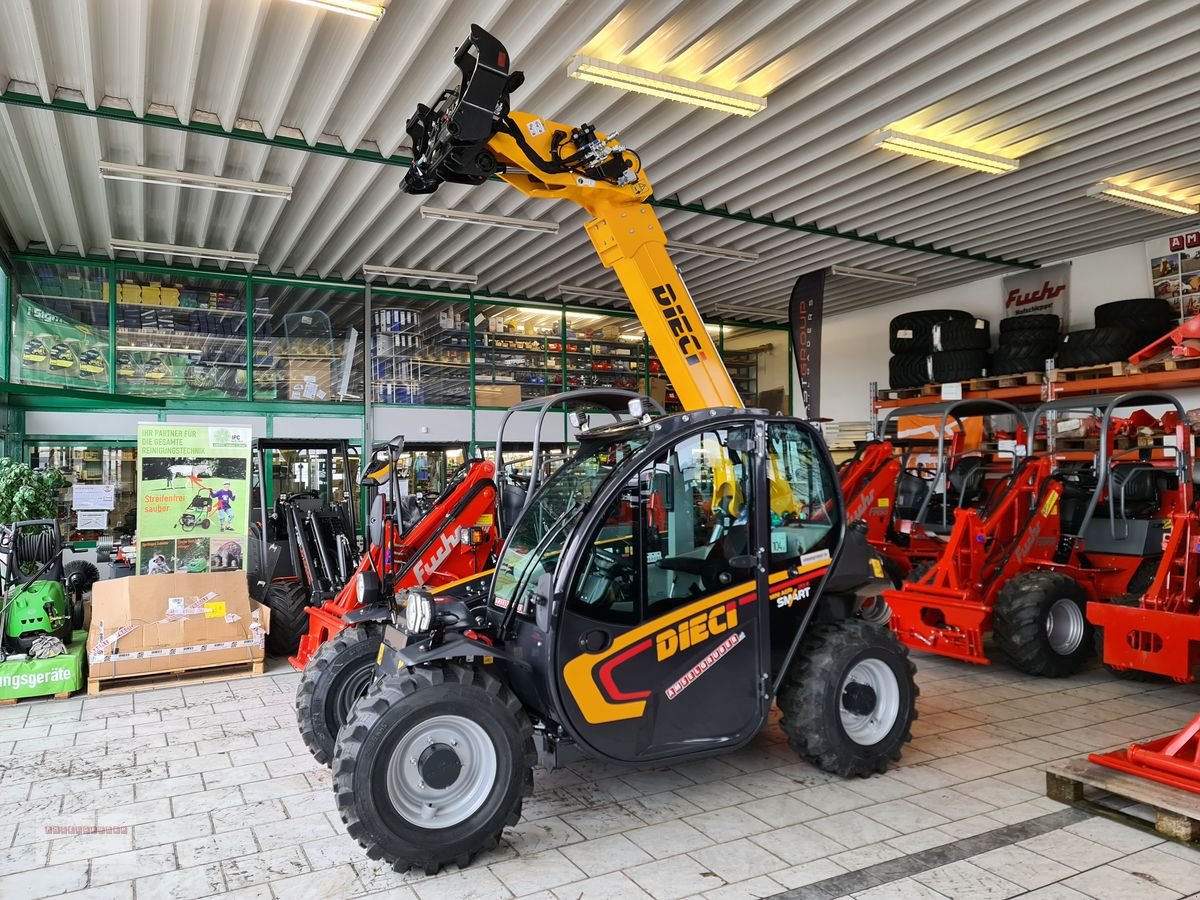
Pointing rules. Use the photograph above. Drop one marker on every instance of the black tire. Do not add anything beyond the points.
(908, 370)
(958, 365)
(88, 572)
(339, 673)
(1021, 624)
(1018, 329)
(913, 332)
(289, 621)
(1147, 316)
(1017, 358)
(962, 334)
(817, 690)
(1096, 346)
(392, 708)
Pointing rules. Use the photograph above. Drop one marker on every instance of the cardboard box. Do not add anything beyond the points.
(659, 388)
(309, 379)
(158, 623)
(505, 395)
(23, 677)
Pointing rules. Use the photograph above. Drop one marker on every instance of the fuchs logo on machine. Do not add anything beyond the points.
(681, 326)
(705, 664)
(1046, 292)
(694, 630)
(426, 567)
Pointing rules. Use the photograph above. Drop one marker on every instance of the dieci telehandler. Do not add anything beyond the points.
(667, 583)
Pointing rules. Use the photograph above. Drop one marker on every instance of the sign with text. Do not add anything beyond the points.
(805, 310)
(193, 497)
(1175, 270)
(93, 496)
(1038, 292)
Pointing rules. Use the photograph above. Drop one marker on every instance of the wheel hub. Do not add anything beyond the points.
(859, 698)
(1065, 626)
(439, 766)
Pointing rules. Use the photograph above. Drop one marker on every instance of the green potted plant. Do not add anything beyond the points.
(27, 493)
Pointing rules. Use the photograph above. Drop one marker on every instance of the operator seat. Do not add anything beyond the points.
(910, 494)
(511, 504)
(1134, 489)
(966, 481)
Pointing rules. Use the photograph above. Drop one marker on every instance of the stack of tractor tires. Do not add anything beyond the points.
(1122, 328)
(937, 345)
(1026, 342)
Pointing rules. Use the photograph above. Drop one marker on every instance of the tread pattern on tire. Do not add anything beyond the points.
(1016, 328)
(1019, 622)
(387, 692)
(1096, 346)
(306, 715)
(908, 370)
(958, 365)
(801, 698)
(962, 334)
(1011, 360)
(912, 332)
(289, 622)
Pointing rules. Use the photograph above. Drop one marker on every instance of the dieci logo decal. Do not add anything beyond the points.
(680, 325)
(705, 664)
(693, 631)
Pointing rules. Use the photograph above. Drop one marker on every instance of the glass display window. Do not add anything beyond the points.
(758, 361)
(60, 327)
(604, 351)
(91, 464)
(308, 344)
(420, 351)
(180, 336)
(518, 354)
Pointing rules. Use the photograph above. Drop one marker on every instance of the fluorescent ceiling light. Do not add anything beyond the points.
(718, 252)
(872, 275)
(368, 11)
(594, 293)
(248, 259)
(472, 218)
(121, 172)
(588, 68)
(370, 272)
(945, 153)
(1142, 200)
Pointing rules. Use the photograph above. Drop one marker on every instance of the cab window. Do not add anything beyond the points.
(804, 509)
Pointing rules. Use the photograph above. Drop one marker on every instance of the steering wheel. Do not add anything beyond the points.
(614, 570)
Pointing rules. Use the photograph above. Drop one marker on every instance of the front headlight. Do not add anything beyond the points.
(366, 588)
(418, 611)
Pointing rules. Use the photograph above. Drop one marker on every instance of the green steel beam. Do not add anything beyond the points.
(74, 107)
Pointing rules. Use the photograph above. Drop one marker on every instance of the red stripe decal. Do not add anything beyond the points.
(606, 679)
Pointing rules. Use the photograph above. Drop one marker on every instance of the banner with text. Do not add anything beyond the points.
(805, 310)
(1038, 292)
(193, 498)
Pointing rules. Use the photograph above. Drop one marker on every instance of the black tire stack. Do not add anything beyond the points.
(937, 345)
(1122, 328)
(1026, 342)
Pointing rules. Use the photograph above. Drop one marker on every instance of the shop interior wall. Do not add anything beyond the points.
(854, 350)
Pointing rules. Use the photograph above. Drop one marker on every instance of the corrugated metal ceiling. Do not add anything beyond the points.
(1082, 90)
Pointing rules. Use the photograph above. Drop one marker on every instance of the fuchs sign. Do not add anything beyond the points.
(1038, 291)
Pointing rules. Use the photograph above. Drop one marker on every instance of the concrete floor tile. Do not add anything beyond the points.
(728, 824)
(852, 829)
(1175, 871)
(527, 874)
(467, 884)
(904, 889)
(674, 878)
(738, 860)
(607, 854)
(961, 879)
(1110, 883)
(614, 886)
(1021, 866)
(668, 839)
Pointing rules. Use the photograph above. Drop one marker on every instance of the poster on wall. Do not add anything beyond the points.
(1038, 292)
(1175, 270)
(193, 498)
(52, 349)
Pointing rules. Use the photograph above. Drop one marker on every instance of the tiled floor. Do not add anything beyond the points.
(187, 793)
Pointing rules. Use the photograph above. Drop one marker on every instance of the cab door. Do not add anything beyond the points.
(662, 647)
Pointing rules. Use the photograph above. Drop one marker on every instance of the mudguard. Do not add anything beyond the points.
(376, 612)
(395, 653)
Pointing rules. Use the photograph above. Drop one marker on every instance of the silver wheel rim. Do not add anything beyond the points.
(420, 803)
(867, 722)
(874, 610)
(1065, 626)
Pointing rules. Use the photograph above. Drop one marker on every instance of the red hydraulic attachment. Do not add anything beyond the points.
(1171, 760)
(949, 609)
(454, 541)
(1183, 341)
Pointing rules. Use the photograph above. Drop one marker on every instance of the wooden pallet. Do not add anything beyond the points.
(990, 382)
(1168, 364)
(13, 701)
(119, 684)
(1083, 373)
(1173, 813)
(933, 391)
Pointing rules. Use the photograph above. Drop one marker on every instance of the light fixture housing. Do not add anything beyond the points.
(926, 148)
(111, 171)
(872, 275)
(369, 11)
(248, 259)
(474, 218)
(1128, 196)
(588, 68)
(370, 272)
(717, 252)
(592, 293)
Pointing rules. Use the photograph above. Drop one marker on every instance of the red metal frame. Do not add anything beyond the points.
(455, 540)
(1174, 760)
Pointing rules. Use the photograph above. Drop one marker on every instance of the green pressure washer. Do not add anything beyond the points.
(40, 596)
